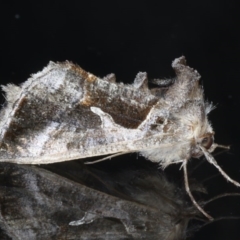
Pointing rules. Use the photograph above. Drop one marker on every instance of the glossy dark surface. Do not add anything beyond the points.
(105, 37)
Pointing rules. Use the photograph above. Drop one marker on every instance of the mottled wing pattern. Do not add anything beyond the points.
(65, 113)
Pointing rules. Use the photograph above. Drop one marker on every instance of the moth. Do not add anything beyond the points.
(64, 113)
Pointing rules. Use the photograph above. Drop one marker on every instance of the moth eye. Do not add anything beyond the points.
(207, 141)
(159, 121)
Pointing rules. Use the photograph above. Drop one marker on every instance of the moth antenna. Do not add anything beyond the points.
(221, 196)
(214, 221)
(211, 160)
(106, 158)
(190, 194)
(220, 218)
(210, 177)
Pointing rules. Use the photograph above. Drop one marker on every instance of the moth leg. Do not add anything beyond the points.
(106, 158)
(190, 194)
(211, 160)
(222, 146)
(215, 145)
(163, 166)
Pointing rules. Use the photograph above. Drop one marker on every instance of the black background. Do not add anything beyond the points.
(127, 37)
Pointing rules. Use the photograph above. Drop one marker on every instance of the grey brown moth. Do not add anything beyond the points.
(64, 113)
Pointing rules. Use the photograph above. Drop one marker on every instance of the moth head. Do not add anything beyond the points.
(201, 130)
(196, 127)
(206, 141)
